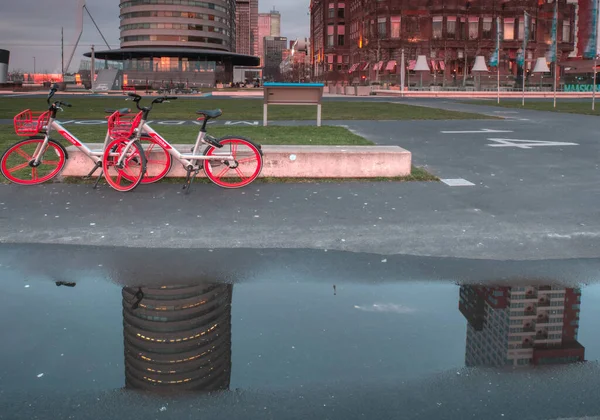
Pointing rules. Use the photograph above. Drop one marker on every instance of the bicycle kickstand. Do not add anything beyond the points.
(189, 179)
(98, 180)
(96, 167)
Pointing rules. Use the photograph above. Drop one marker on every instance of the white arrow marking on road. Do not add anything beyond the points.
(527, 144)
(485, 130)
(241, 122)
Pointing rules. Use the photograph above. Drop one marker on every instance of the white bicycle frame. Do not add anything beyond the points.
(94, 155)
(189, 160)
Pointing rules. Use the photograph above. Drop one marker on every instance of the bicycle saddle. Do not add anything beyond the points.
(215, 113)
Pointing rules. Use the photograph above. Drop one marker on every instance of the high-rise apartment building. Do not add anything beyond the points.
(520, 326)
(269, 24)
(274, 48)
(246, 18)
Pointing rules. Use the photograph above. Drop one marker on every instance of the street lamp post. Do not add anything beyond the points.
(33, 65)
(595, 75)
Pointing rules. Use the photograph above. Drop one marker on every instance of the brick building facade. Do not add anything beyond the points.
(246, 19)
(363, 39)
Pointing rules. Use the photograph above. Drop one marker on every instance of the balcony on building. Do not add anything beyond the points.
(543, 319)
(543, 302)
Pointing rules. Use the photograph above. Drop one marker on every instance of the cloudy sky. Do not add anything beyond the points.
(31, 28)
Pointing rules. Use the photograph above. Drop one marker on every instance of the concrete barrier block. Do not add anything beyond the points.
(350, 90)
(363, 90)
(295, 162)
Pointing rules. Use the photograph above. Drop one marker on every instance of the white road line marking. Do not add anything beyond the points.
(457, 182)
(241, 122)
(527, 144)
(506, 112)
(484, 130)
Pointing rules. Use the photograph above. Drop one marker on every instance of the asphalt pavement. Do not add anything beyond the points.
(341, 300)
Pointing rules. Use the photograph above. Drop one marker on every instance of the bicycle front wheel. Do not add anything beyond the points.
(158, 160)
(17, 163)
(128, 174)
(244, 169)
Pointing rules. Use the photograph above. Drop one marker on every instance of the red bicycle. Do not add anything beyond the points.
(39, 158)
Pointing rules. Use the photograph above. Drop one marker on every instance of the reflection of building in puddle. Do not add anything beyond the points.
(528, 325)
(178, 338)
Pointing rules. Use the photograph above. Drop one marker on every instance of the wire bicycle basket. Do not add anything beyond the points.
(123, 126)
(30, 123)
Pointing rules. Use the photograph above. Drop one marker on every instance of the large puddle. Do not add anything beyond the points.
(88, 332)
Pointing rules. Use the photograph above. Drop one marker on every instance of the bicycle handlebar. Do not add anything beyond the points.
(56, 104)
(137, 98)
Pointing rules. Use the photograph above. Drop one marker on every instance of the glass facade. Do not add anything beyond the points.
(169, 64)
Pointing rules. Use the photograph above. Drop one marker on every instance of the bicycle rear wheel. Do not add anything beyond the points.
(129, 174)
(17, 166)
(243, 170)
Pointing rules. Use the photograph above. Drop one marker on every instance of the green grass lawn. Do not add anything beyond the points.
(239, 109)
(417, 175)
(308, 135)
(583, 107)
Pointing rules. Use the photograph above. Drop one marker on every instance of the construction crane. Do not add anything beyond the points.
(82, 7)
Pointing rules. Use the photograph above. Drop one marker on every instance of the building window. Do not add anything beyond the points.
(487, 28)
(473, 27)
(509, 29)
(331, 11)
(382, 27)
(341, 40)
(330, 40)
(437, 27)
(412, 25)
(566, 34)
(451, 28)
(521, 33)
(341, 11)
(396, 21)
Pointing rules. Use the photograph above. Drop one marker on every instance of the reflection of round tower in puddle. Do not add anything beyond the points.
(178, 338)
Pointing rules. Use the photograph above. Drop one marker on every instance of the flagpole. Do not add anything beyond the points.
(498, 74)
(402, 73)
(523, 101)
(497, 54)
(595, 48)
(595, 73)
(525, 39)
(555, 30)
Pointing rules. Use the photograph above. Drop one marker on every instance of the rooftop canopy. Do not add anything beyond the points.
(193, 53)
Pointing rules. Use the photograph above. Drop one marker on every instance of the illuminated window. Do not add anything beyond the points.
(395, 24)
(509, 29)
